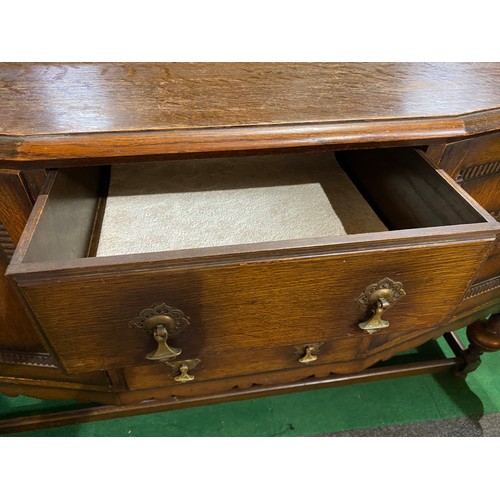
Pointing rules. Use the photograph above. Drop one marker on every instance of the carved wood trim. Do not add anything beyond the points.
(496, 214)
(477, 171)
(483, 287)
(27, 358)
(6, 244)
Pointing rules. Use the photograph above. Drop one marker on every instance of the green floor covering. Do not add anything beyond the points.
(325, 411)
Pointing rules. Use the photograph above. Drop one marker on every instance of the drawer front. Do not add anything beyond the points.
(231, 369)
(244, 364)
(247, 306)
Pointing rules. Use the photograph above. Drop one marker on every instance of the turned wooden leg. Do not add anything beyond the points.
(484, 336)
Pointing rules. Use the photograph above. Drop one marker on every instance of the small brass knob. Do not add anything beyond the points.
(184, 376)
(308, 357)
(183, 367)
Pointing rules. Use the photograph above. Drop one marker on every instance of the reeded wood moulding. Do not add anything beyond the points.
(478, 171)
(483, 287)
(27, 358)
(7, 246)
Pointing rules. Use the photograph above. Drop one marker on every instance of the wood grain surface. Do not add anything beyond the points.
(87, 113)
(15, 203)
(17, 330)
(458, 158)
(57, 111)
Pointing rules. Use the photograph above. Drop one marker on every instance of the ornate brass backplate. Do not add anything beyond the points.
(376, 299)
(163, 322)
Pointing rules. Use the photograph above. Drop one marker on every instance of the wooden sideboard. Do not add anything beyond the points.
(180, 234)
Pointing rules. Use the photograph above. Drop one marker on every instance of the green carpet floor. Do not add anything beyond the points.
(387, 403)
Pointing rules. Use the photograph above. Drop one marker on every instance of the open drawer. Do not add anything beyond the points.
(219, 259)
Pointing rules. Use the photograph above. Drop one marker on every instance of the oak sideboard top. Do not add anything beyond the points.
(56, 111)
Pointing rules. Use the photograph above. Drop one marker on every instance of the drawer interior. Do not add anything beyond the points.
(230, 201)
(205, 203)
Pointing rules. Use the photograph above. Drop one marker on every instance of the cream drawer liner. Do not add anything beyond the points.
(159, 206)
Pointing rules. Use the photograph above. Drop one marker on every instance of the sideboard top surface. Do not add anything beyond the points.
(56, 110)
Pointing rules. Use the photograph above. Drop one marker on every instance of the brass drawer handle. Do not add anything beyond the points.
(160, 334)
(308, 357)
(163, 322)
(308, 353)
(183, 367)
(184, 376)
(376, 299)
(376, 322)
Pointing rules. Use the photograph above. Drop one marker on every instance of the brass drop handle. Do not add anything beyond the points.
(163, 352)
(163, 322)
(376, 322)
(376, 299)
